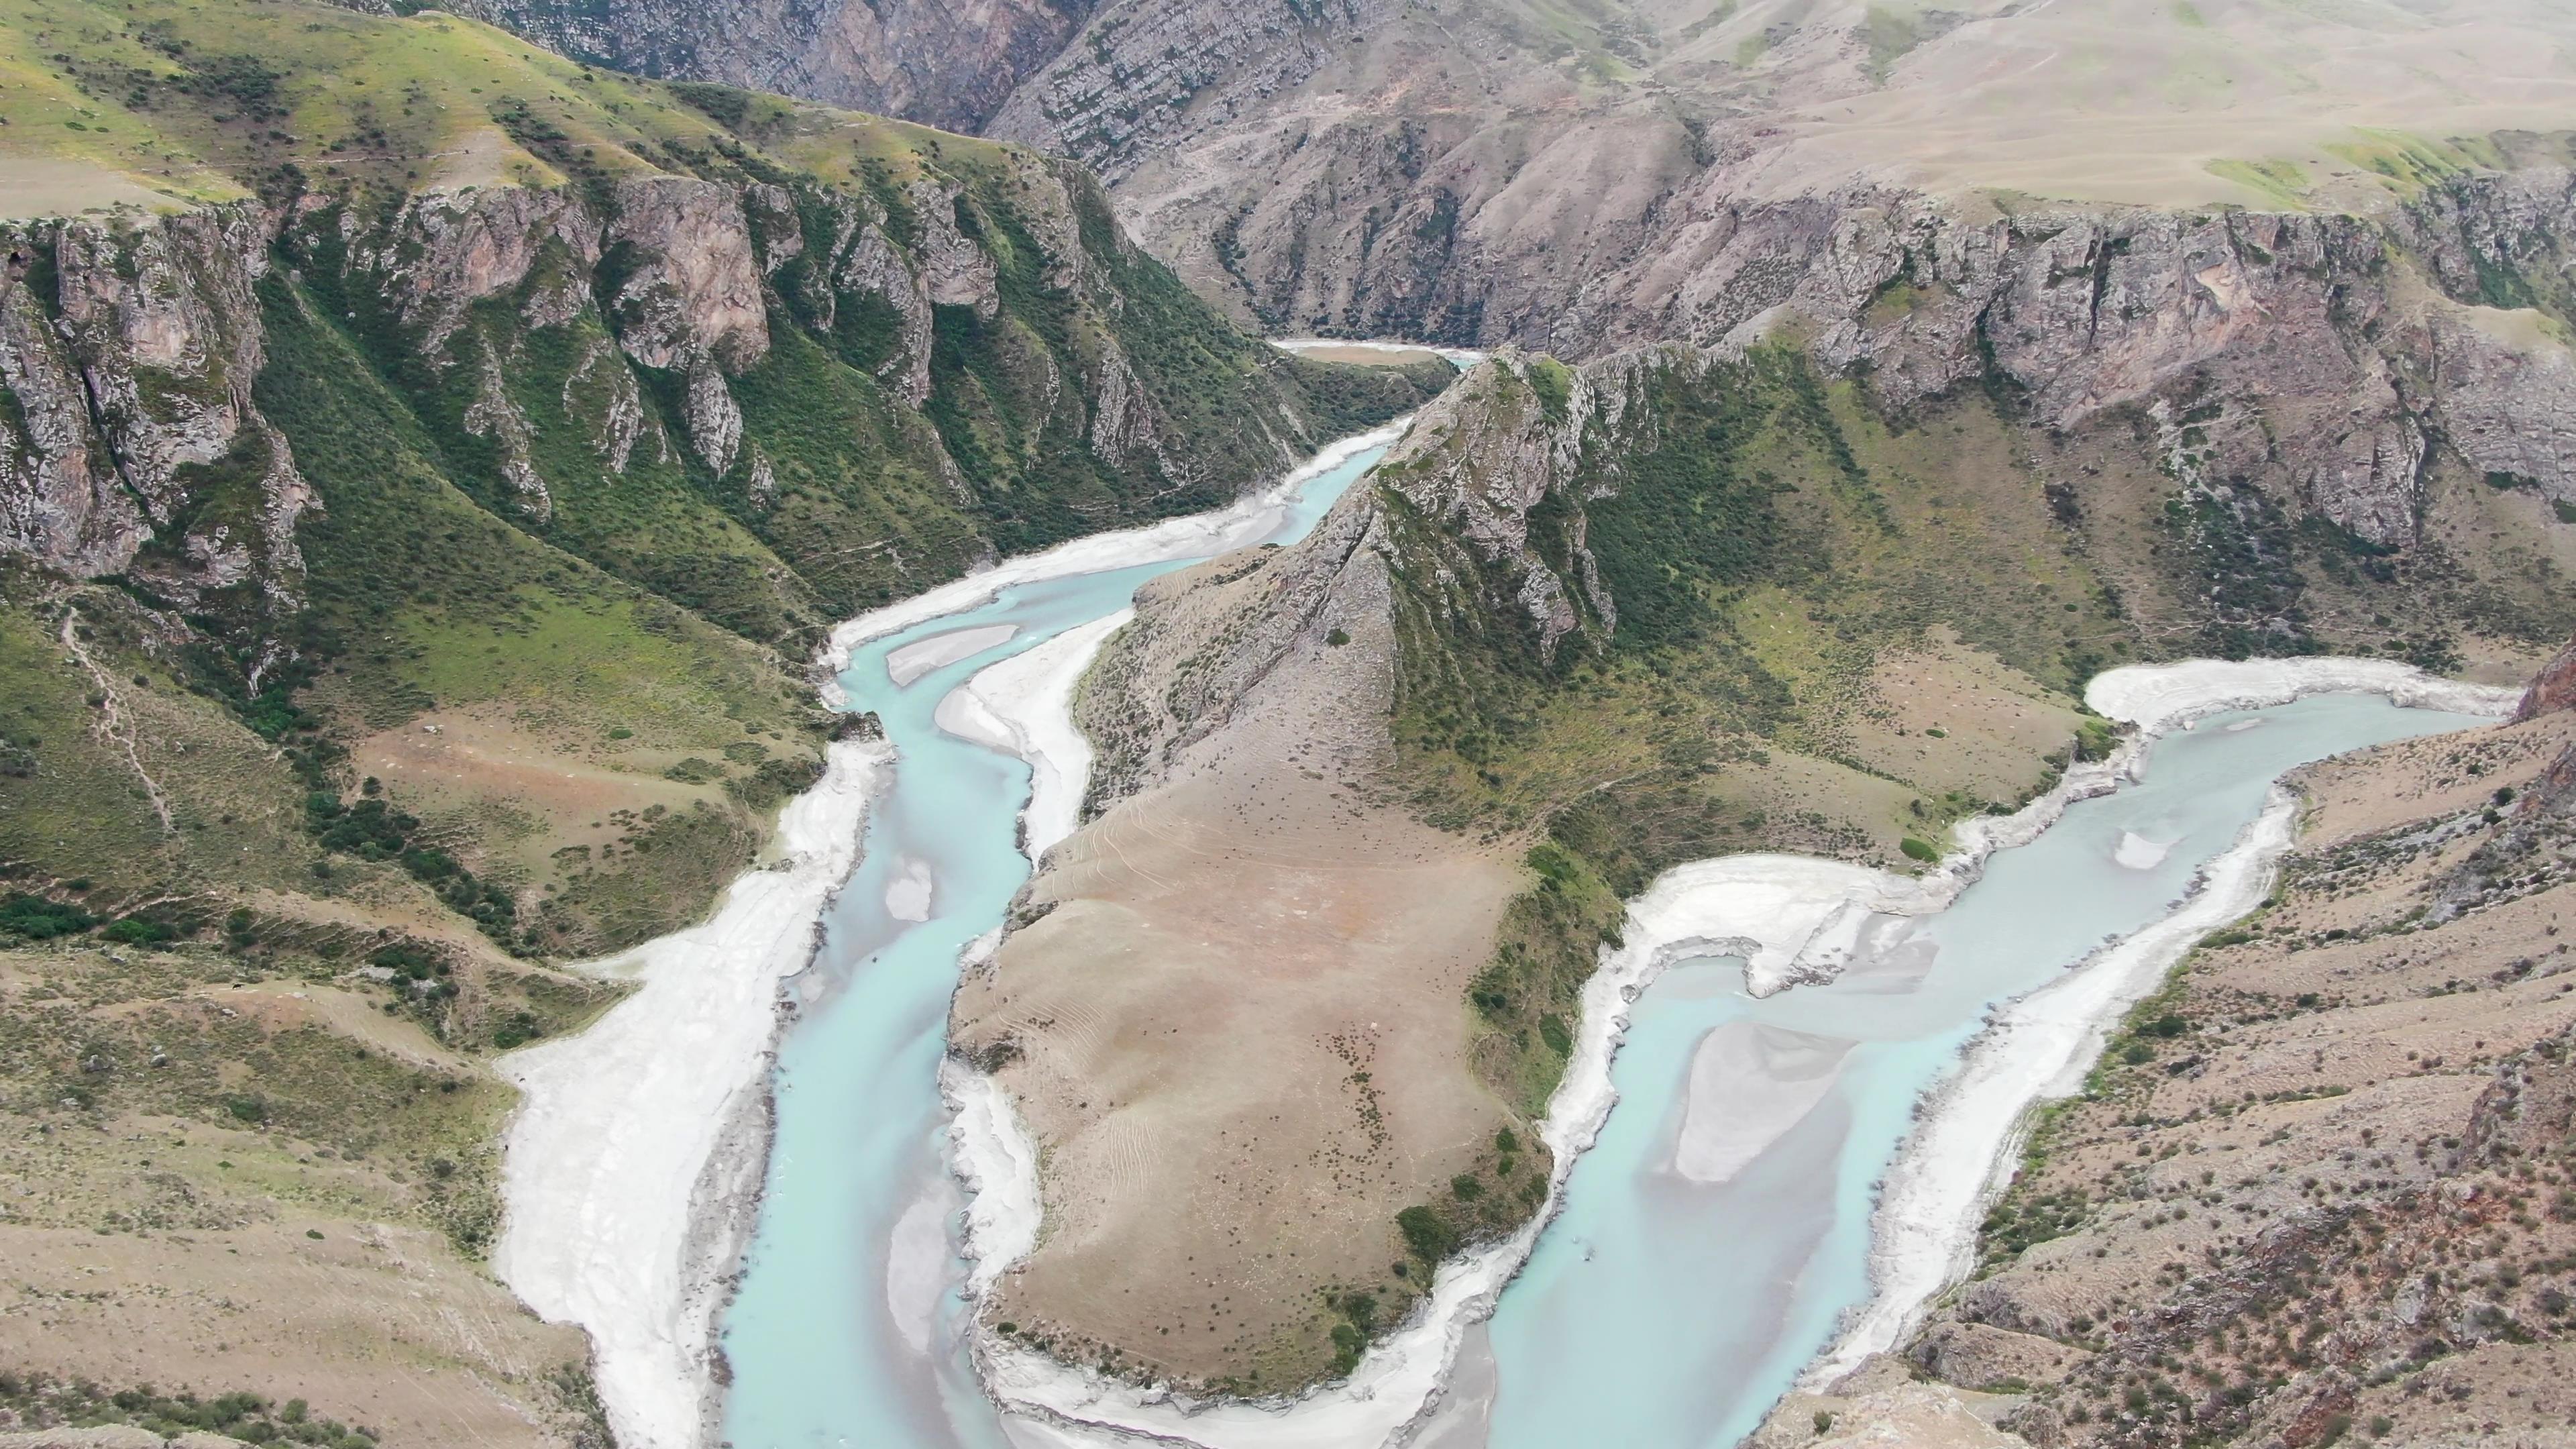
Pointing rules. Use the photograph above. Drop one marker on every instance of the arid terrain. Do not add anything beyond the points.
(1261, 1012)
(1550, 174)
(1234, 1021)
(2319, 1187)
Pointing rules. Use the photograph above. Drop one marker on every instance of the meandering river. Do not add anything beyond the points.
(1701, 1260)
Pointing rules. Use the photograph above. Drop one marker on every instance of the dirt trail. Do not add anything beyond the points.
(112, 724)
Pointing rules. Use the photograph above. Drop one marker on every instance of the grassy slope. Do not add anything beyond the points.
(433, 587)
(590, 714)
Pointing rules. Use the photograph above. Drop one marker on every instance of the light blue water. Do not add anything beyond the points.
(822, 1352)
(1657, 1313)
(1661, 1313)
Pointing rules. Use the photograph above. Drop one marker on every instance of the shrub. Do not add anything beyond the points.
(139, 931)
(1559, 1038)
(1922, 850)
(39, 919)
(1427, 1233)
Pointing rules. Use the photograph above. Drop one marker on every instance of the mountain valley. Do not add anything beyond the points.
(434, 465)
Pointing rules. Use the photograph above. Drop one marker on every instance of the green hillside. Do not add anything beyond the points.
(427, 470)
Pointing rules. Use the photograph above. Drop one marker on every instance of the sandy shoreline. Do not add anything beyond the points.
(1794, 920)
(633, 1161)
(1461, 358)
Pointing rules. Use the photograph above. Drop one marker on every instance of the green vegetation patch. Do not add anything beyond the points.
(2278, 180)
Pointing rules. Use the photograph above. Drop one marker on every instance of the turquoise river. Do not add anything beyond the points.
(1657, 1312)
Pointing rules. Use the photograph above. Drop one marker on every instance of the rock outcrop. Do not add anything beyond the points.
(695, 291)
(1478, 176)
(137, 437)
(2552, 689)
(946, 65)
(567, 337)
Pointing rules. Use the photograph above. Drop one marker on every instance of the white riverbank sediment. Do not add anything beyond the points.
(2039, 1047)
(1793, 920)
(1460, 358)
(632, 1163)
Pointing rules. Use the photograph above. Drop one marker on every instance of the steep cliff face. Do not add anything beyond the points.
(950, 66)
(131, 359)
(596, 361)
(1487, 174)
(2333, 349)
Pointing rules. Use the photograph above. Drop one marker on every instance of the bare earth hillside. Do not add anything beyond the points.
(2320, 1185)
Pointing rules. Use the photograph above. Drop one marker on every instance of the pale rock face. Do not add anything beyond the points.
(56, 506)
(2507, 403)
(493, 415)
(2324, 371)
(715, 422)
(162, 324)
(448, 250)
(864, 262)
(1119, 422)
(170, 349)
(696, 288)
(1478, 466)
(947, 65)
(602, 389)
(954, 270)
(1058, 229)
(1131, 85)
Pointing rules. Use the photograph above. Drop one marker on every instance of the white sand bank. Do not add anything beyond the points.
(921, 656)
(1923, 1235)
(2136, 852)
(2157, 697)
(991, 1153)
(1461, 358)
(1751, 1084)
(1024, 706)
(635, 1155)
